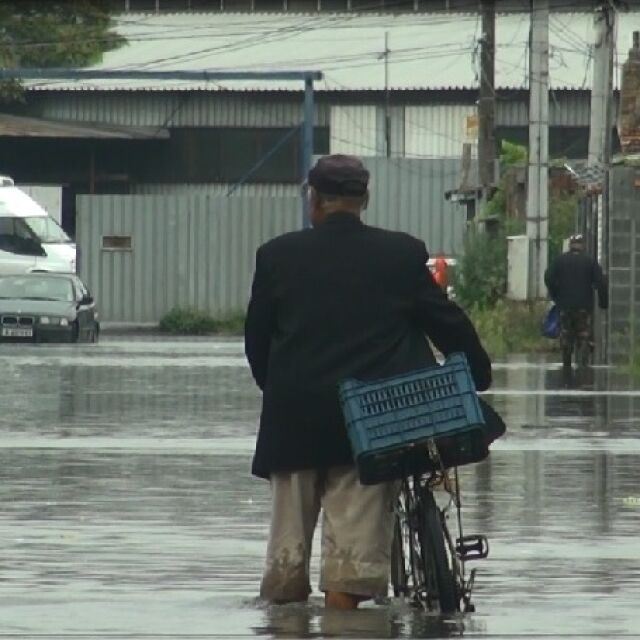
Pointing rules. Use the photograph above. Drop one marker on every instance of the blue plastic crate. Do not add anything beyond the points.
(390, 421)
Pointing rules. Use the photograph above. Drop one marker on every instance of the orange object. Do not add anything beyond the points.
(440, 274)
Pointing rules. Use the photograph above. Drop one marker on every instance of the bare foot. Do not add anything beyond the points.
(339, 600)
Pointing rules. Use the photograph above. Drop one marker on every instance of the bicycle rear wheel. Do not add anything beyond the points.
(438, 563)
(583, 353)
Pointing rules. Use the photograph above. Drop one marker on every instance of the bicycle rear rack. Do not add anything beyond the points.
(472, 547)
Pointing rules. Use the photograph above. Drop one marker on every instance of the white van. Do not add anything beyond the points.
(30, 239)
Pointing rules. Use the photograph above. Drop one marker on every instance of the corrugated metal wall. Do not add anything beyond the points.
(251, 109)
(568, 108)
(170, 109)
(436, 130)
(357, 130)
(408, 195)
(185, 250)
(191, 248)
(258, 190)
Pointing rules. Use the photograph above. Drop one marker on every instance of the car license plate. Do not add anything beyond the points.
(17, 333)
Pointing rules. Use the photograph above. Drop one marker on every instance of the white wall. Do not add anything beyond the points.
(47, 196)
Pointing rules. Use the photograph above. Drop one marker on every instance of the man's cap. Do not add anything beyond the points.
(576, 239)
(339, 175)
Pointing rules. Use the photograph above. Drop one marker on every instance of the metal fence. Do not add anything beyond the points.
(589, 225)
(624, 264)
(408, 195)
(142, 255)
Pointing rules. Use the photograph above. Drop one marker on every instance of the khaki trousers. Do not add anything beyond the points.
(357, 530)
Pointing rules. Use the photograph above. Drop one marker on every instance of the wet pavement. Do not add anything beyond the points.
(128, 508)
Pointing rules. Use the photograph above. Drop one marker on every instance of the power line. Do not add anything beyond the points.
(360, 58)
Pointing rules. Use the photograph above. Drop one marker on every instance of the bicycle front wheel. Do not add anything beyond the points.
(438, 563)
(399, 575)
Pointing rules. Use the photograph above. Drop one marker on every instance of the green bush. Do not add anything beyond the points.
(480, 279)
(562, 221)
(511, 327)
(232, 323)
(192, 321)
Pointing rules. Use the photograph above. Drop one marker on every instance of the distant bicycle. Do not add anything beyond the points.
(427, 565)
(575, 338)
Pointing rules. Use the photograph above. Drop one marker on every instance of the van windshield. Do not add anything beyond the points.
(47, 230)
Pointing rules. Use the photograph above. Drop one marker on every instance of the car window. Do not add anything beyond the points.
(9, 238)
(47, 230)
(81, 290)
(36, 288)
(6, 234)
(22, 230)
(16, 236)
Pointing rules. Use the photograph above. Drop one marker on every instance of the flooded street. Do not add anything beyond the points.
(128, 508)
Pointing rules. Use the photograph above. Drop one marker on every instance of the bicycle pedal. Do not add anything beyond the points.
(472, 547)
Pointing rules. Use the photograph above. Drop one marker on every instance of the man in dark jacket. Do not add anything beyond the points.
(337, 301)
(571, 280)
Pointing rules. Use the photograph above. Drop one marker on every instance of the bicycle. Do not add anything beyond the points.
(427, 566)
(412, 427)
(575, 338)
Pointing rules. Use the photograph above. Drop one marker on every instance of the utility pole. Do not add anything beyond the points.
(387, 115)
(601, 121)
(600, 125)
(487, 101)
(538, 169)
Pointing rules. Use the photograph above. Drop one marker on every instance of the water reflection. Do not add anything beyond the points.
(124, 480)
(395, 620)
(129, 394)
(598, 402)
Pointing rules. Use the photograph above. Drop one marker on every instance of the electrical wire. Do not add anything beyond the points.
(166, 32)
(360, 60)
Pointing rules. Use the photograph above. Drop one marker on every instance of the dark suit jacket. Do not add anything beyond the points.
(338, 301)
(571, 280)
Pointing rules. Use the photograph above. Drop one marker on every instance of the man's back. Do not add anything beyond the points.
(342, 300)
(343, 292)
(339, 300)
(571, 281)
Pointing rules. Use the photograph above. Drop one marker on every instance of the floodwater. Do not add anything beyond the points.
(128, 508)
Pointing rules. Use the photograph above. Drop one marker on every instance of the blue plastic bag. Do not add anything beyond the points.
(551, 323)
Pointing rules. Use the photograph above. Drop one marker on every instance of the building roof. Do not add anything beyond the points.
(426, 51)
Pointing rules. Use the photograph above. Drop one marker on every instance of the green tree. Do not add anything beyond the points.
(56, 33)
(481, 278)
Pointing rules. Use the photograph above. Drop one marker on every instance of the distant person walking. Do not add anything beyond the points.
(571, 280)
